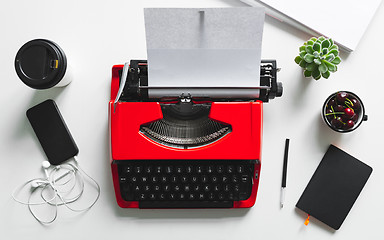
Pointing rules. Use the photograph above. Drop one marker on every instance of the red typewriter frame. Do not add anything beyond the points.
(127, 143)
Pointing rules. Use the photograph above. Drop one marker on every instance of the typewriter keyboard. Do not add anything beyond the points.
(186, 183)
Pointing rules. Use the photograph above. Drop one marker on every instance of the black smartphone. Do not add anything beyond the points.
(52, 132)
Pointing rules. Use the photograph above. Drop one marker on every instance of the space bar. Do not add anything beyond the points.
(185, 204)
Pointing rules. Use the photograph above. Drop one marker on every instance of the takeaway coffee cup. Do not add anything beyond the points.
(42, 64)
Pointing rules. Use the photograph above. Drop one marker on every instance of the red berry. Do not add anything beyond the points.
(349, 124)
(330, 114)
(356, 104)
(339, 108)
(341, 97)
(348, 113)
(337, 123)
(332, 102)
(354, 118)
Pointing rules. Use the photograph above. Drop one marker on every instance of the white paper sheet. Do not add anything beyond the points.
(206, 47)
(345, 21)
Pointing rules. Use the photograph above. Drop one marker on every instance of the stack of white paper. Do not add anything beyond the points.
(345, 21)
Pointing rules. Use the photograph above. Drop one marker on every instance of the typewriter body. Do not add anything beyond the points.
(185, 151)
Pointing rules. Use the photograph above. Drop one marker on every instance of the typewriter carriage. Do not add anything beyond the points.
(185, 122)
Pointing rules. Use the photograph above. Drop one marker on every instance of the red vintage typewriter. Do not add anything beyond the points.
(185, 151)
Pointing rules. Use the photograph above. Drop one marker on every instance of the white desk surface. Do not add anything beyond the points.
(98, 34)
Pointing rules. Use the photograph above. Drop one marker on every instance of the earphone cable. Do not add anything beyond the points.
(60, 196)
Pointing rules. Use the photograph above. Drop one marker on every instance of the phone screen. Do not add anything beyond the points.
(52, 132)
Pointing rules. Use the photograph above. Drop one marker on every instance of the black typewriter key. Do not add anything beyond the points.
(191, 196)
(171, 196)
(189, 169)
(177, 188)
(214, 179)
(154, 179)
(152, 196)
(127, 169)
(245, 178)
(199, 169)
(146, 188)
(221, 196)
(144, 179)
(216, 188)
(158, 169)
(211, 196)
(207, 188)
(126, 187)
(179, 169)
(235, 179)
(162, 196)
(156, 188)
(243, 196)
(219, 169)
(123, 179)
(164, 179)
(194, 179)
(127, 192)
(224, 179)
(181, 196)
(187, 188)
(167, 188)
(240, 169)
(209, 169)
(196, 188)
(169, 169)
(184, 179)
(201, 196)
(227, 187)
(204, 179)
(148, 169)
(236, 187)
(173, 179)
(231, 196)
(142, 196)
(133, 179)
(230, 169)
(136, 188)
(138, 169)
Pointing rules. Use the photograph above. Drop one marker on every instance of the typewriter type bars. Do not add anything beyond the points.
(185, 151)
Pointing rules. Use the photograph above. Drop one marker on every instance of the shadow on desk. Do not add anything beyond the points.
(24, 128)
(326, 135)
(37, 97)
(179, 213)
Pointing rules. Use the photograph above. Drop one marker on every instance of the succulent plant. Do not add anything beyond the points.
(318, 57)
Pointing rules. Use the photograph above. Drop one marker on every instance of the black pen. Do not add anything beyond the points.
(284, 180)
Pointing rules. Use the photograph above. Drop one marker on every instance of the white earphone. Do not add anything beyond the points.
(46, 165)
(68, 174)
(38, 182)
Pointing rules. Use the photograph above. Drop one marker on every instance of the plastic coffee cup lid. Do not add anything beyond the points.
(40, 63)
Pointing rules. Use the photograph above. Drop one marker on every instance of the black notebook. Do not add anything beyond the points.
(334, 187)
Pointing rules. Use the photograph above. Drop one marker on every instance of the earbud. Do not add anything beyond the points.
(46, 165)
(37, 183)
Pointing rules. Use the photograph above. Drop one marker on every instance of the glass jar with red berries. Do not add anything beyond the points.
(343, 111)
